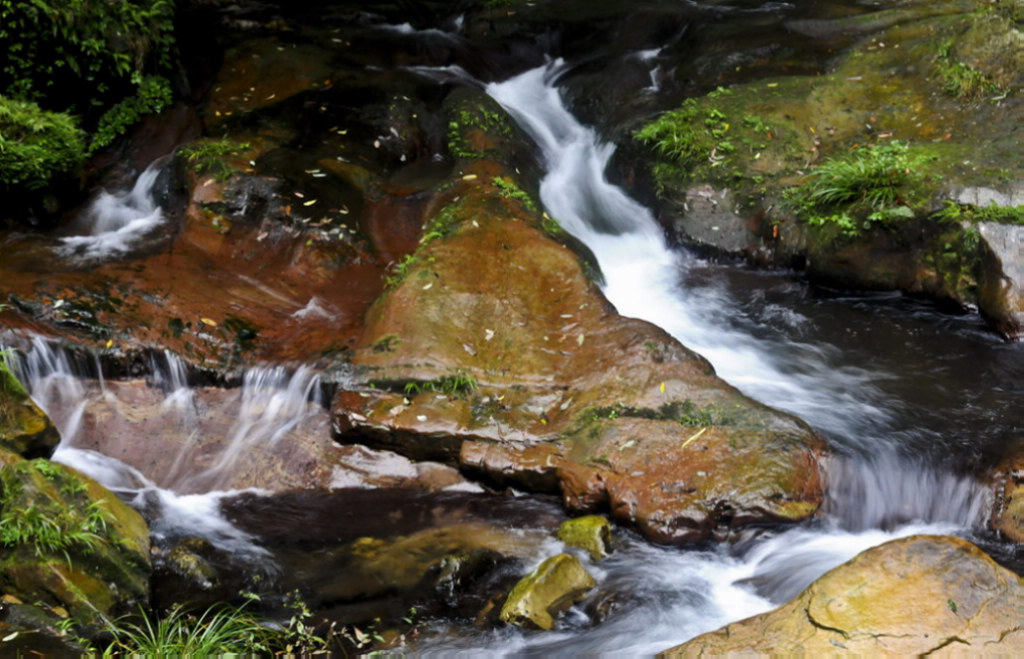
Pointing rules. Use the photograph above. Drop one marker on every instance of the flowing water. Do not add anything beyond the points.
(912, 402)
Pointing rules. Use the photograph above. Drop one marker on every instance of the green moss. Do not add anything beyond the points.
(37, 147)
(684, 412)
(510, 190)
(714, 138)
(955, 212)
(457, 384)
(471, 117)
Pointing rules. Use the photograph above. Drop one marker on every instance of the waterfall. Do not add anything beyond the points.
(116, 222)
(875, 494)
(272, 402)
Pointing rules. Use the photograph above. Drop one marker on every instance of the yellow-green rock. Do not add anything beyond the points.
(592, 533)
(67, 543)
(24, 428)
(556, 584)
(909, 597)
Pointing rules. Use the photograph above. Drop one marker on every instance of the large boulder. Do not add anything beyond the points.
(915, 596)
(943, 78)
(69, 545)
(517, 368)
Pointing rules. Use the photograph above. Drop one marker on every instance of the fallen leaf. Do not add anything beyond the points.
(694, 436)
(309, 203)
(110, 343)
(208, 321)
(662, 387)
(579, 340)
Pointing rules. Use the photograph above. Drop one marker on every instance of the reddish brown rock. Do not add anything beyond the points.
(1008, 513)
(568, 394)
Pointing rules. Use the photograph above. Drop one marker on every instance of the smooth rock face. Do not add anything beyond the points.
(569, 396)
(556, 584)
(1003, 287)
(913, 596)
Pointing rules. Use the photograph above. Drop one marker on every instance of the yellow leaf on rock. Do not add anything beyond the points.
(208, 321)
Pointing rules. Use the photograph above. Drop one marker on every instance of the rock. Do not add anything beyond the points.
(745, 147)
(1008, 510)
(556, 584)
(24, 428)
(1001, 286)
(69, 543)
(592, 533)
(517, 369)
(914, 596)
(220, 438)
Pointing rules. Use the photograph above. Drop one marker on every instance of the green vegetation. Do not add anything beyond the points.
(472, 129)
(48, 529)
(36, 147)
(955, 212)
(440, 225)
(76, 63)
(857, 189)
(218, 630)
(386, 343)
(152, 96)
(960, 79)
(701, 137)
(456, 385)
(212, 157)
(510, 190)
(686, 413)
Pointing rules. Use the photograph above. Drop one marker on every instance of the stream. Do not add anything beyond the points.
(914, 403)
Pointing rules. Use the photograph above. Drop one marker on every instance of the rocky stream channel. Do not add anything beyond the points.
(393, 309)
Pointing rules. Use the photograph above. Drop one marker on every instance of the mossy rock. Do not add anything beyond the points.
(24, 428)
(725, 163)
(68, 542)
(592, 533)
(556, 584)
(914, 596)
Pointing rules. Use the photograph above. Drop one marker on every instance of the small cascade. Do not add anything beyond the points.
(272, 402)
(116, 223)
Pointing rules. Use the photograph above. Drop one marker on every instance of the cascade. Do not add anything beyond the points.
(116, 222)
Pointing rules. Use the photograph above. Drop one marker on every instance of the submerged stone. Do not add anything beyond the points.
(914, 596)
(556, 584)
(592, 533)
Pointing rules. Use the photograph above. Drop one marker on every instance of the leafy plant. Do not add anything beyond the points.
(152, 96)
(218, 630)
(858, 188)
(36, 147)
(91, 54)
(961, 79)
(211, 157)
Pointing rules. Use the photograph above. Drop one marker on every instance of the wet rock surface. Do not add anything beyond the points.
(554, 586)
(69, 544)
(918, 595)
(518, 370)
